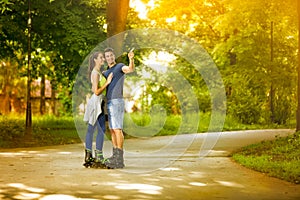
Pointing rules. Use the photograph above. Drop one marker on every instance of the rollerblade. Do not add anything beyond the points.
(88, 160)
(117, 159)
(99, 161)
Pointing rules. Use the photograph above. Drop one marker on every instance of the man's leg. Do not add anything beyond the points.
(116, 115)
(119, 138)
(113, 138)
(112, 133)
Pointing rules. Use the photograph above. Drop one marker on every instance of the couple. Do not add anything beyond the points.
(112, 87)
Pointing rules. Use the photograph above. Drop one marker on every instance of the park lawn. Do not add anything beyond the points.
(277, 158)
(46, 131)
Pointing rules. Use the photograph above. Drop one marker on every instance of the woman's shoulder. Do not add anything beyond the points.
(96, 72)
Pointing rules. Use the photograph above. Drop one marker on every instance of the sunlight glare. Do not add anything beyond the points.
(142, 8)
(159, 61)
(24, 187)
(230, 184)
(171, 19)
(11, 154)
(198, 184)
(25, 196)
(143, 188)
(64, 153)
(61, 196)
(169, 169)
(111, 197)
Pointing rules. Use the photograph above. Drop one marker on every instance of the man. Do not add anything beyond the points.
(115, 104)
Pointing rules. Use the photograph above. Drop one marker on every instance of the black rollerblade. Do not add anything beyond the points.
(99, 161)
(88, 160)
(117, 159)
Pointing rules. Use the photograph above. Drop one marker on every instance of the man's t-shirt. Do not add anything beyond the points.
(115, 89)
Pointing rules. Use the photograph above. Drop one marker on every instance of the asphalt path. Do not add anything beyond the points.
(191, 166)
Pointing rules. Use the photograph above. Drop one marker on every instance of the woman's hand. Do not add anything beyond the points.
(109, 78)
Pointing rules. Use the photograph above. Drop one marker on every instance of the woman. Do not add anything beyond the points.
(94, 114)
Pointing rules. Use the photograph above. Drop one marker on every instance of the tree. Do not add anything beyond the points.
(265, 73)
(63, 33)
(116, 16)
(298, 88)
(237, 34)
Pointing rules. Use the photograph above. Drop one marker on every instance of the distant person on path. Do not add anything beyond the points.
(94, 114)
(115, 104)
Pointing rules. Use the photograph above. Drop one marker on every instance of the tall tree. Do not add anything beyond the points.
(298, 88)
(116, 16)
(237, 34)
(63, 31)
(28, 98)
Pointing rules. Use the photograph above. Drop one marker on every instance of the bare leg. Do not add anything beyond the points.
(113, 138)
(119, 138)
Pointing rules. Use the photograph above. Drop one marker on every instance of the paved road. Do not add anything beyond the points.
(181, 167)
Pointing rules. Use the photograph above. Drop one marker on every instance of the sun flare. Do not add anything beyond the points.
(142, 8)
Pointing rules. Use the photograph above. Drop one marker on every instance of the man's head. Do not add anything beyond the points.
(110, 56)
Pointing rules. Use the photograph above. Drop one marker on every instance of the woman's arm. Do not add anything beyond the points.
(96, 90)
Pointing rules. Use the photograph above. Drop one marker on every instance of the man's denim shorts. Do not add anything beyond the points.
(115, 109)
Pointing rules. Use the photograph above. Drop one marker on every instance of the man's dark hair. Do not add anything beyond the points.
(109, 50)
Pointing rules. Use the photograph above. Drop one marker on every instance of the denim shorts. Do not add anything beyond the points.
(115, 109)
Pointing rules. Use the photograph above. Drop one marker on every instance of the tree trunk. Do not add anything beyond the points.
(42, 95)
(272, 90)
(53, 103)
(298, 88)
(6, 90)
(116, 14)
(28, 126)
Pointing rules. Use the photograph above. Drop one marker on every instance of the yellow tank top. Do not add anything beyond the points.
(101, 82)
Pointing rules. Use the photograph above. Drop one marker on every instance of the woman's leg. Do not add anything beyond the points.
(89, 137)
(99, 158)
(101, 130)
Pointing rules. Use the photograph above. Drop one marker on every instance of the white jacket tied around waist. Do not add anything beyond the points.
(93, 109)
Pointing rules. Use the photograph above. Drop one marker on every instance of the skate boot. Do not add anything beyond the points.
(99, 160)
(111, 161)
(88, 160)
(120, 159)
(117, 160)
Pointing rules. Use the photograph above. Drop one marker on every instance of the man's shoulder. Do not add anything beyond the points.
(120, 64)
(119, 67)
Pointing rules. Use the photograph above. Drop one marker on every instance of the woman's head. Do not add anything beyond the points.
(95, 60)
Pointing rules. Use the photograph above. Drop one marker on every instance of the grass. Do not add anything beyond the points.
(174, 124)
(46, 130)
(278, 158)
(50, 130)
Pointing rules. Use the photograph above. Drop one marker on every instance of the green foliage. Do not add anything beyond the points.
(249, 67)
(47, 130)
(5, 5)
(52, 130)
(167, 126)
(171, 124)
(278, 158)
(62, 34)
(11, 128)
(237, 34)
(245, 107)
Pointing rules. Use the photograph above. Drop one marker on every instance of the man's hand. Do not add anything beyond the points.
(130, 55)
